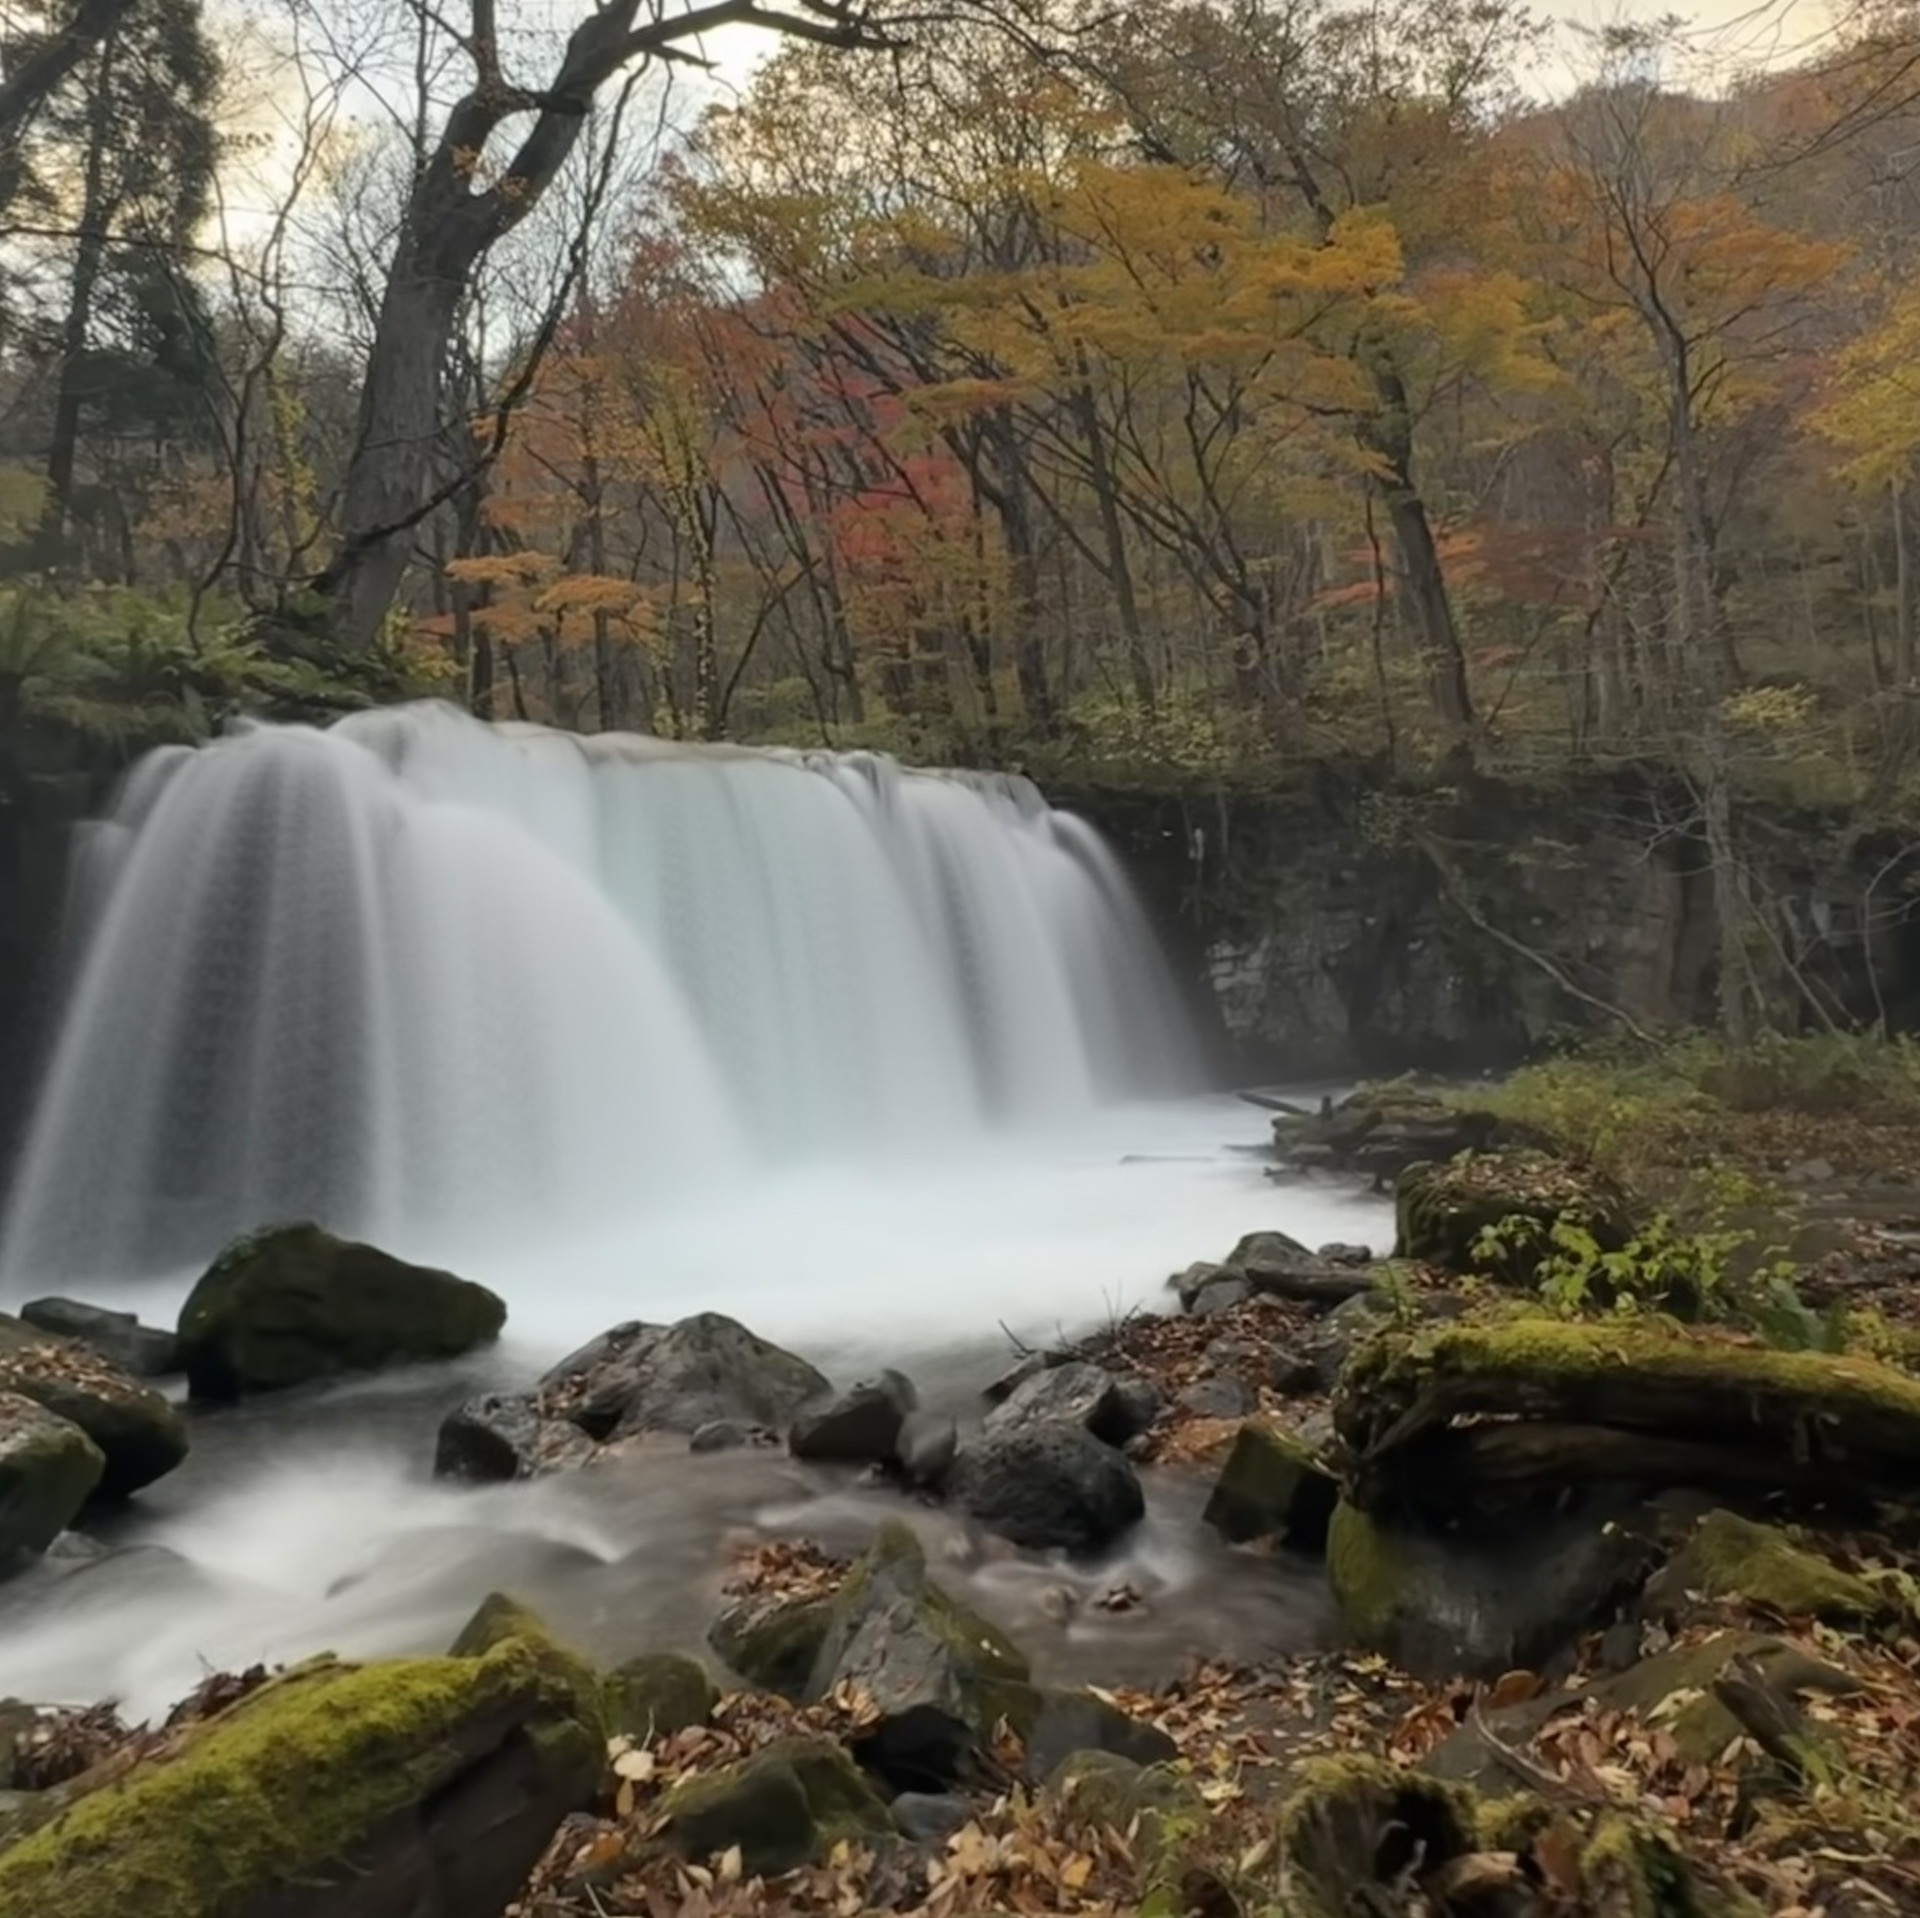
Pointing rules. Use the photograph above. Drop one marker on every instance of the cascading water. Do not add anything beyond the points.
(422, 979)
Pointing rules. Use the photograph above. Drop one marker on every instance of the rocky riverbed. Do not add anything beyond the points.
(1594, 1535)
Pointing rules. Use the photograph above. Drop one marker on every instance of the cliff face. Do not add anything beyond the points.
(1345, 926)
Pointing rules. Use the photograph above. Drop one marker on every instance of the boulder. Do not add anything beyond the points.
(1047, 1488)
(1076, 1393)
(1730, 1559)
(502, 1620)
(1068, 1722)
(1341, 1333)
(335, 1791)
(48, 1469)
(1272, 1486)
(1442, 1210)
(859, 1426)
(925, 1449)
(639, 1379)
(1218, 1397)
(658, 1694)
(938, 1679)
(773, 1641)
(140, 1435)
(294, 1303)
(1218, 1295)
(786, 1806)
(142, 1351)
(507, 1435)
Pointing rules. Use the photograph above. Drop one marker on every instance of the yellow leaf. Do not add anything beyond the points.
(731, 1865)
(636, 1765)
(1076, 1871)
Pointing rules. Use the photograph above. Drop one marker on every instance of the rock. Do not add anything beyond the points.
(1076, 1393)
(337, 1791)
(858, 1426)
(772, 1641)
(1031, 1365)
(925, 1449)
(1153, 1807)
(658, 1694)
(141, 1351)
(786, 1806)
(1219, 1295)
(1292, 1374)
(1079, 1721)
(1047, 1488)
(1272, 1486)
(1187, 1285)
(294, 1303)
(1339, 1253)
(506, 1435)
(501, 1620)
(1265, 1248)
(939, 1678)
(140, 1435)
(1218, 1398)
(931, 1818)
(1341, 1333)
(1732, 1558)
(640, 1378)
(1441, 1212)
(1136, 1406)
(729, 1435)
(48, 1469)
(1443, 1607)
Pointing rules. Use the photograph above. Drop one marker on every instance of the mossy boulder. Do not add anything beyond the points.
(784, 1807)
(658, 1694)
(503, 1620)
(939, 1679)
(1273, 1485)
(1441, 1211)
(48, 1469)
(140, 1435)
(294, 1303)
(337, 1791)
(772, 1640)
(1736, 1560)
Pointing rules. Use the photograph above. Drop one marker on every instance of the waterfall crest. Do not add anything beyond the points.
(416, 976)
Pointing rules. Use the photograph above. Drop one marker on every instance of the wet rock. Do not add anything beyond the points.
(140, 1435)
(931, 1818)
(1079, 1394)
(1137, 1404)
(925, 1449)
(1030, 1365)
(938, 1677)
(729, 1435)
(506, 1435)
(784, 1807)
(1189, 1284)
(338, 1791)
(1340, 1253)
(1078, 1721)
(1272, 1485)
(642, 1378)
(294, 1303)
(48, 1469)
(772, 1641)
(142, 1351)
(1048, 1488)
(1219, 1295)
(658, 1694)
(859, 1426)
(1341, 1333)
(1218, 1398)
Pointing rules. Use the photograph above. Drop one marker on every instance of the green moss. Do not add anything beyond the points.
(1442, 1211)
(784, 1807)
(1159, 1806)
(502, 1620)
(658, 1694)
(773, 1643)
(1629, 1869)
(1729, 1557)
(1272, 1486)
(1366, 1573)
(282, 1789)
(1341, 1815)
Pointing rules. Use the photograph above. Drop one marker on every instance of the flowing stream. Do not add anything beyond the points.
(884, 1063)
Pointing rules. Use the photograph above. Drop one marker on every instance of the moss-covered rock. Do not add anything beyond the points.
(771, 1640)
(294, 1303)
(939, 1678)
(1068, 1723)
(658, 1694)
(1159, 1806)
(1273, 1485)
(784, 1807)
(48, 1469)
(337, 1790)
(140, 1435)
(1733, 1559)
(1441, 1211)
(503, 1620)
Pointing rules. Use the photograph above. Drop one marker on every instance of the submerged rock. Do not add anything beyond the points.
(1047, 1488)
(859, 1426)
(140, 1435)
(294, 1303)
(143, 1351)
(337, 1791)
(939, 1678)
(48, 1469)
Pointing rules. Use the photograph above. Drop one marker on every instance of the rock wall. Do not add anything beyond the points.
(1346, 925)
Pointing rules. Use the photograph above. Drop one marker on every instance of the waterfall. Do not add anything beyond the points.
(422, 978)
